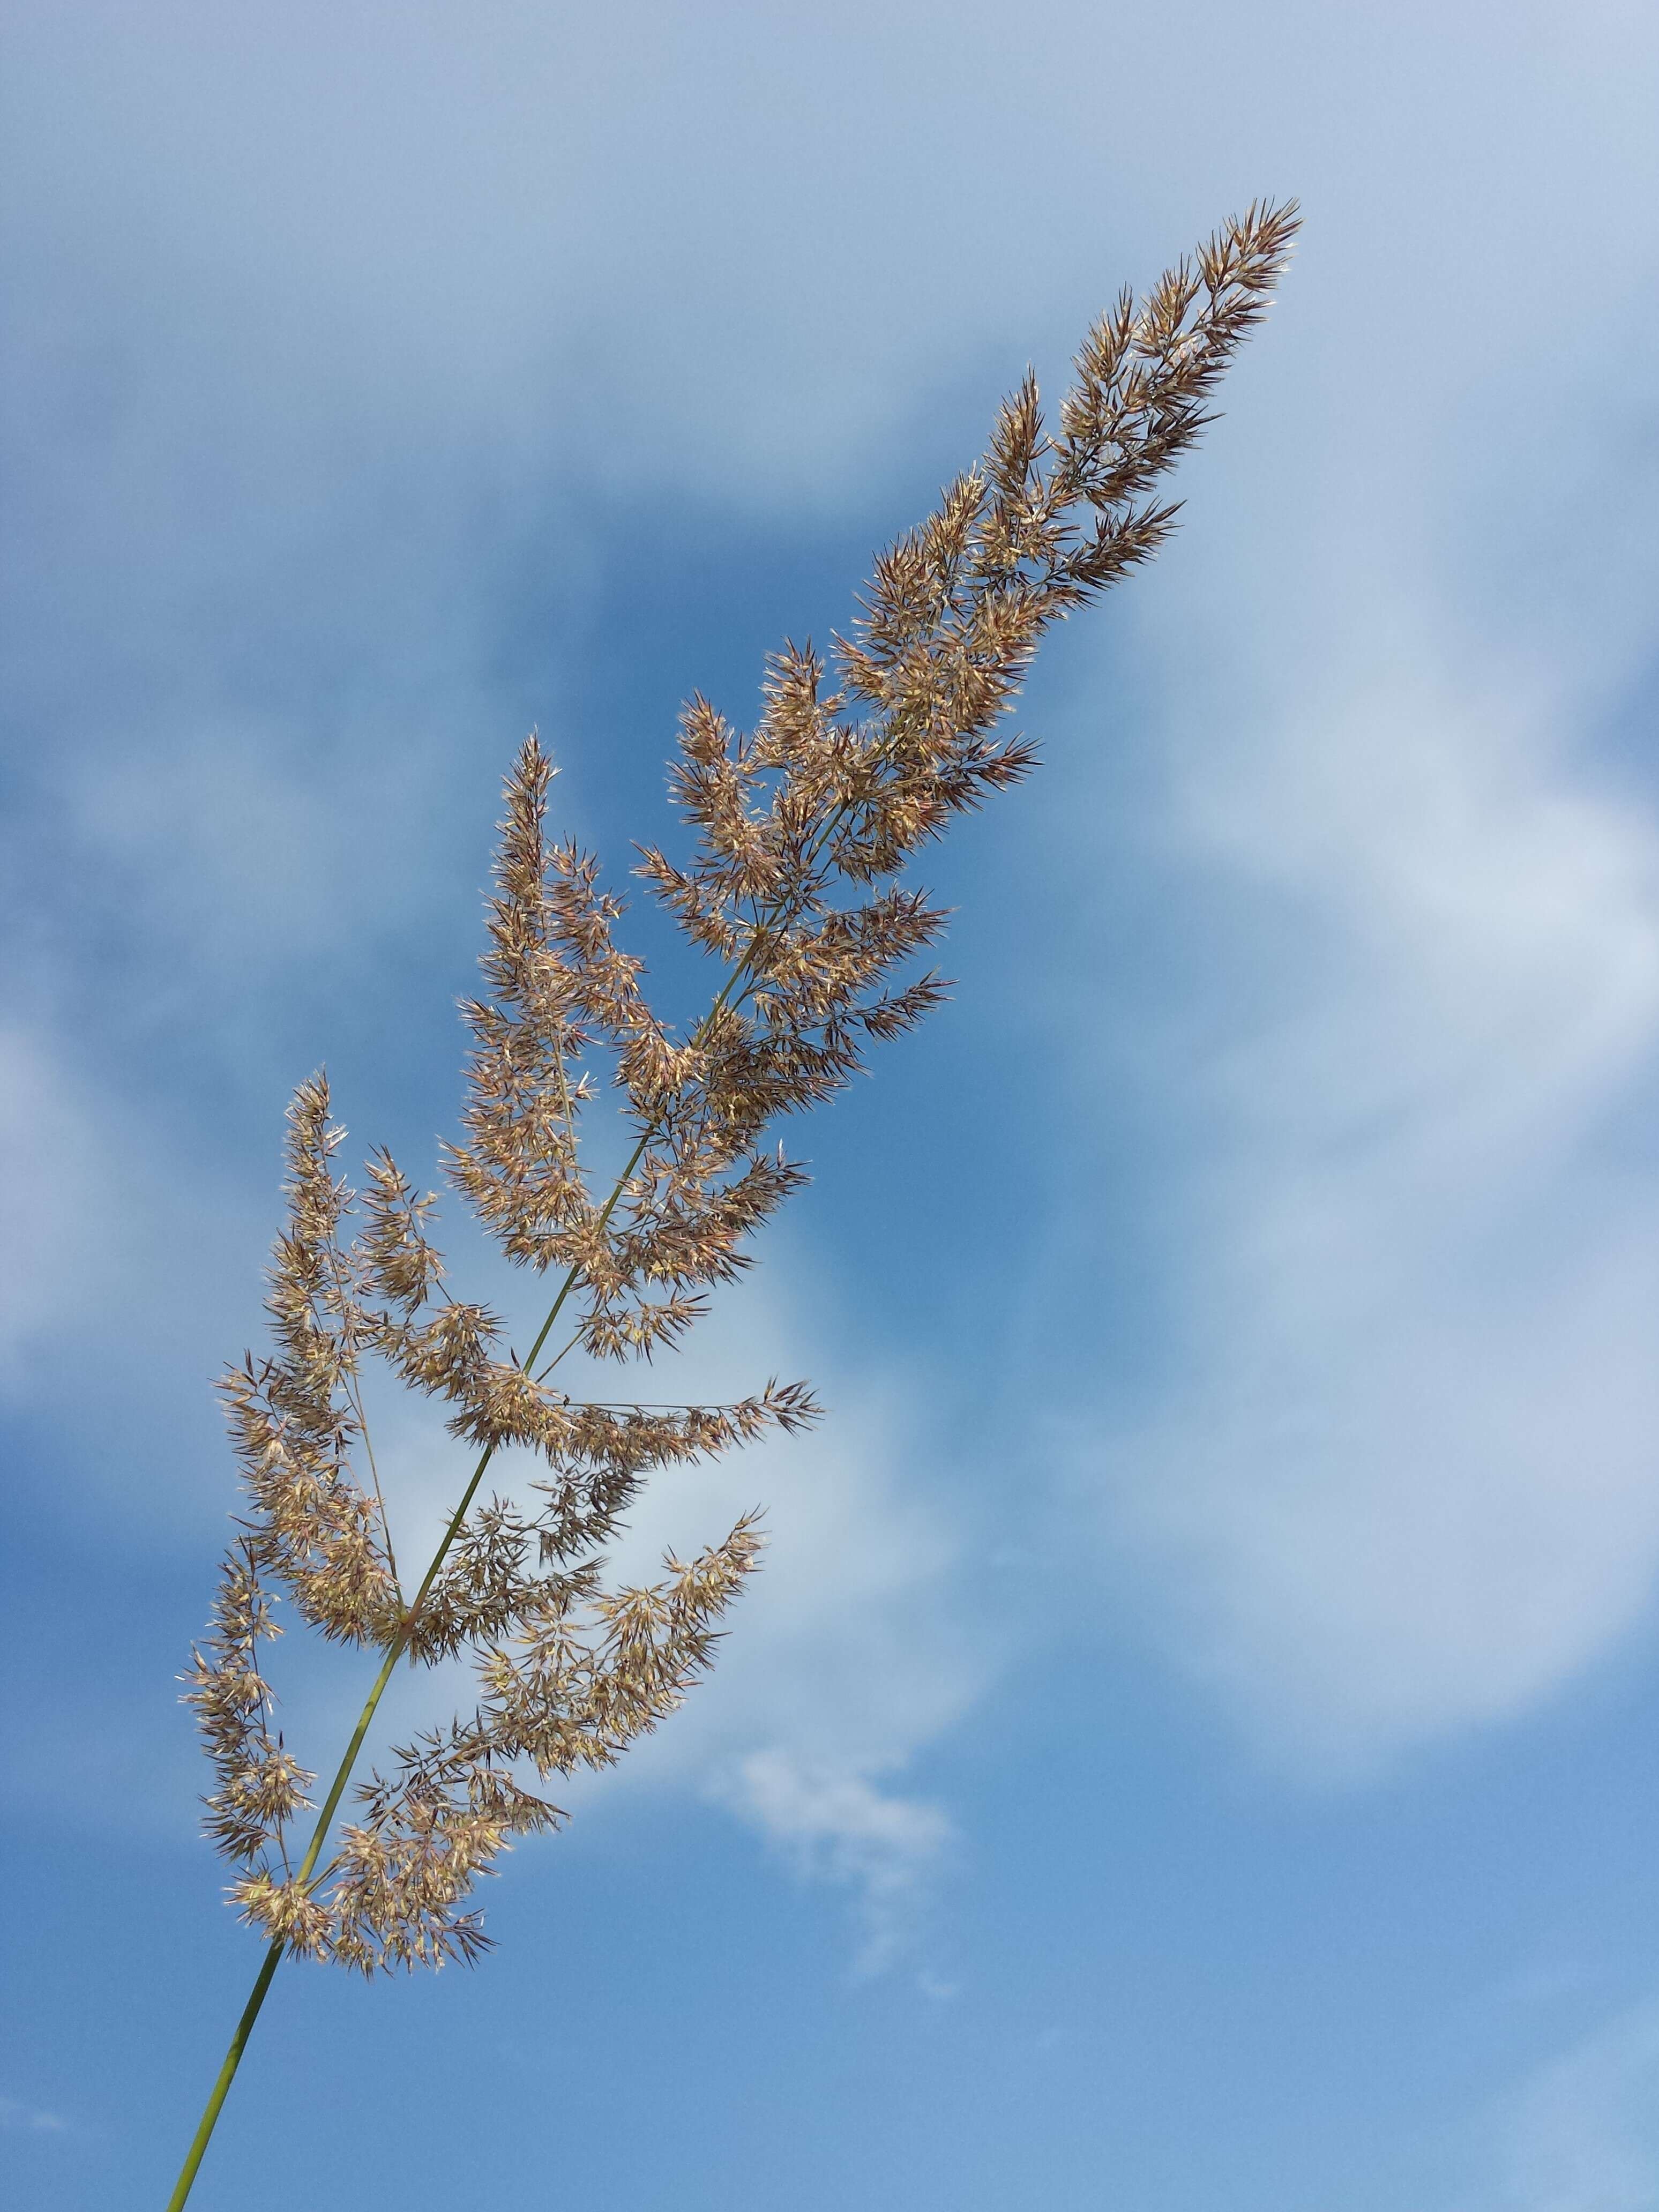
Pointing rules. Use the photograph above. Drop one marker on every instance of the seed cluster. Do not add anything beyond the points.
(802, 829)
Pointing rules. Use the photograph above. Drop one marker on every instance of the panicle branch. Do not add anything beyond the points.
(260, 1786)
(515, 1584)
(294, 1419)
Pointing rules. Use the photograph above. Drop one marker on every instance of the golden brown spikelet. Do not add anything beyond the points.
(800, 832)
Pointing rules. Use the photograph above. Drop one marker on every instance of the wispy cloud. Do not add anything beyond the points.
(1583, 2135)
(54, 1189)
(1407, 1474)
(838, 1825)
(1398, 1479)
(14, 2114)
(854, 1650)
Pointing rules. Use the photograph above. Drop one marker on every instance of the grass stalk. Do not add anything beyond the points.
(1040, 526)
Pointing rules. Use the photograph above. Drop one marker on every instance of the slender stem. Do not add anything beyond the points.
(354, 1392)
(227, 2075)
(400, 1643)
(355, 1397)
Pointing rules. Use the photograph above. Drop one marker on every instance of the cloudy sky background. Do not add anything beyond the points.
(1192, 1744)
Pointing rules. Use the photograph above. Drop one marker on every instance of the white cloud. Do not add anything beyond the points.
(1583, 2135)
(15, 2114)
(853, 1649)
(836, 1825)
(1408, 1482)
(1401, 1480)
(733, 251)
(53, 1194)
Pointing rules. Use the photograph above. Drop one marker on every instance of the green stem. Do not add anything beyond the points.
(227, 2075)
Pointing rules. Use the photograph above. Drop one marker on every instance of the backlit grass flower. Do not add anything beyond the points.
(793, 881)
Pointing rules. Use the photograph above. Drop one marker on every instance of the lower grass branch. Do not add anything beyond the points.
(395, 1651)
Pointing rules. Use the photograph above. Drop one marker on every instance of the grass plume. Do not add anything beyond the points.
(802, 829)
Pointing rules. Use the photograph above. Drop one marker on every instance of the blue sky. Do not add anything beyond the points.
(1193, 1743)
